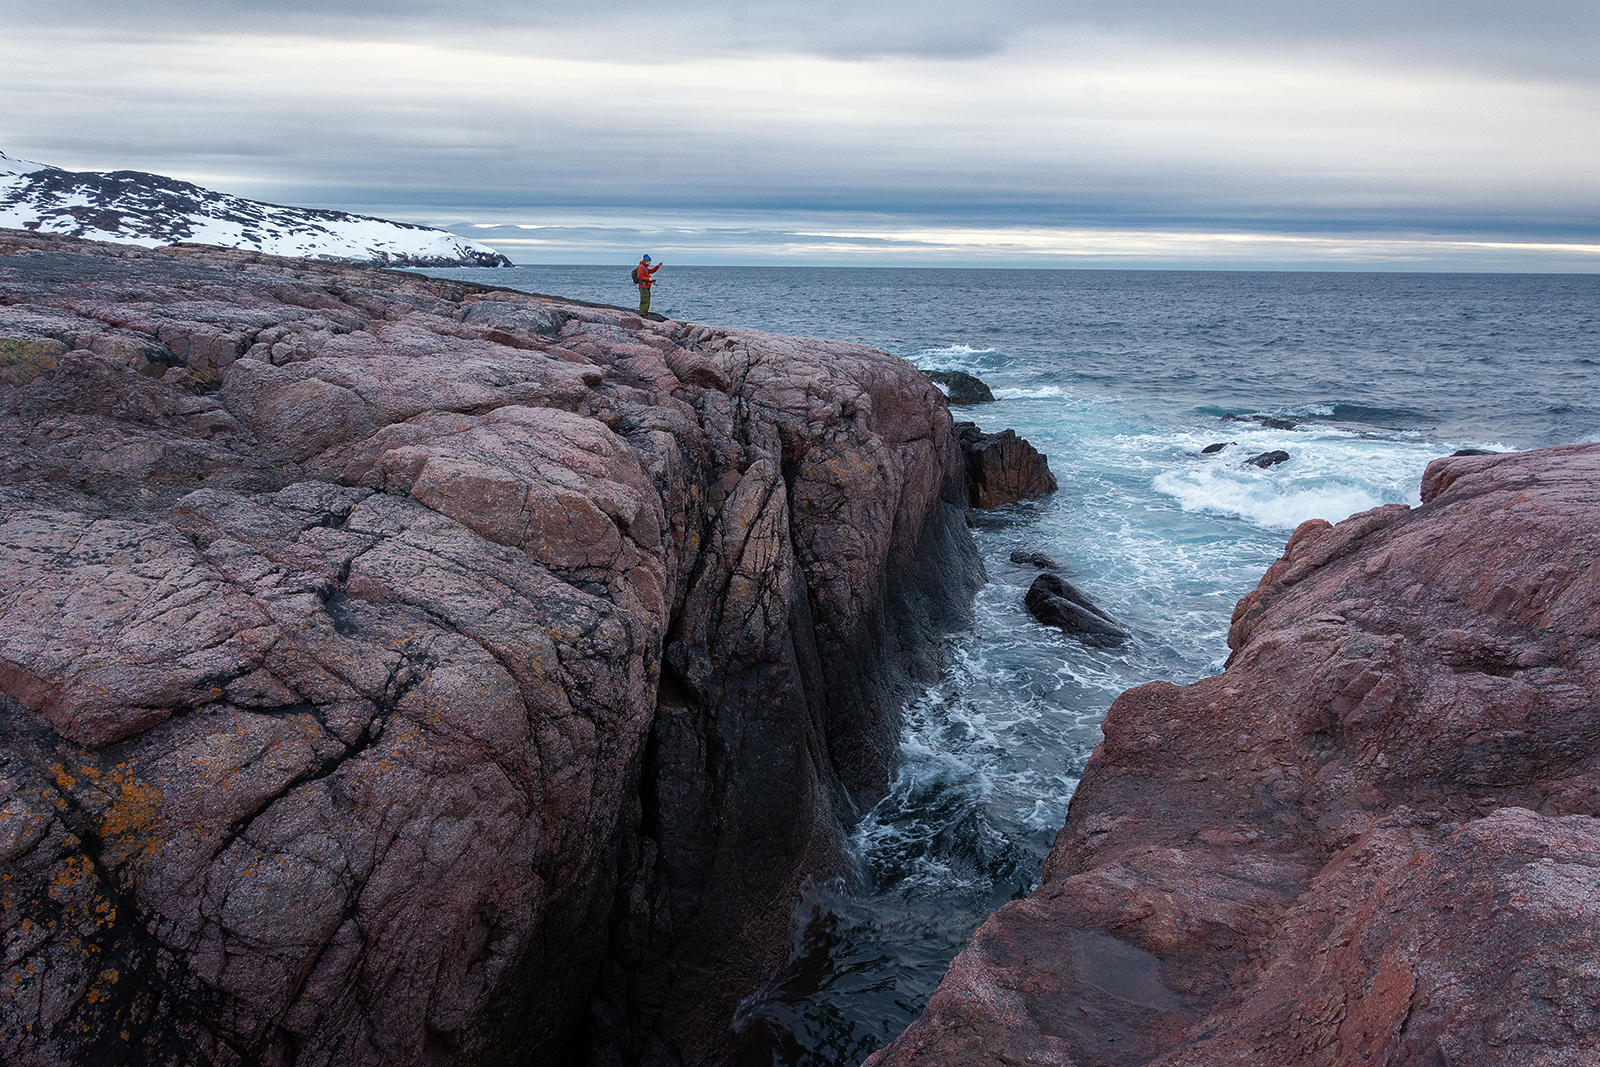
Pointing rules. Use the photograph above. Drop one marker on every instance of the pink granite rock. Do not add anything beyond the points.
(399, 671)
(1371, 840)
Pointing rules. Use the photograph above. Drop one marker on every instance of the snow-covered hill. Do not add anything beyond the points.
(150, 210)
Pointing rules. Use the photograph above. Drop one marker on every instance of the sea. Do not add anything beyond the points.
(1122, 379)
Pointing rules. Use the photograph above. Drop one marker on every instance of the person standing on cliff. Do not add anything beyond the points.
(641, 277)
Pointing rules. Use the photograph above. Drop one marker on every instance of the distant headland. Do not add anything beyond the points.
(150, 210)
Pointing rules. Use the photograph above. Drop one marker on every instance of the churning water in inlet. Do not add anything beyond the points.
(1121, 378)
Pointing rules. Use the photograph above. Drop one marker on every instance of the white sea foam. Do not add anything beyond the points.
(1328, 476)
(1036, 392)
(952, 357)
(1262, 502)
(953, 352)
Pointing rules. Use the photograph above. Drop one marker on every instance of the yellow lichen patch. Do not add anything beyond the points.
(64, 781)
(129, 826)
(75, 886)
(102, 987)
(23, 359)
(69, 874)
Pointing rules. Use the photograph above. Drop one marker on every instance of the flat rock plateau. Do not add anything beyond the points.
(1373, 839)
(399, 671)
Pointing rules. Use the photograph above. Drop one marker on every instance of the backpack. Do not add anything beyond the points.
(634, 274)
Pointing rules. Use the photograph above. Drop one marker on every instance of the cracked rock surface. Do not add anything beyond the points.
(1374, 839)
(1002, 468)
(395, 670)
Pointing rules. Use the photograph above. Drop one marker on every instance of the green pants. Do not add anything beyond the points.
(644, 300)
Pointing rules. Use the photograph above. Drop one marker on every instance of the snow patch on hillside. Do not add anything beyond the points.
(151, 210)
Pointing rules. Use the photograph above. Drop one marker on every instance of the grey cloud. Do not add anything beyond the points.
(359, 151)
(1552, 36)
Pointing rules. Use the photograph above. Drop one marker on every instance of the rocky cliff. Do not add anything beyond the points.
(395, 670)
(1374, 839)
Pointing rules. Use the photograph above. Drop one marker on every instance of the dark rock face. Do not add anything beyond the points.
(961, 387)
(1057, 602)
(394, 670)
(1002, 468)
(1372, 839)
(1214, 448)
(1268, 459)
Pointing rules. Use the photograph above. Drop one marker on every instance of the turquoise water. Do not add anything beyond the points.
(1120, 378)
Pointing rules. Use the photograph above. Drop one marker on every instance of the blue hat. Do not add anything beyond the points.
(646, 257)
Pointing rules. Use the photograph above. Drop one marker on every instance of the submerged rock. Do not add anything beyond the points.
(1002, 468)
(396, 670)
(1057, 602)
(1214, 448)
(1271, 422)
(1268, 459)
(1359, 841)
(1036, 559)
(961, 387)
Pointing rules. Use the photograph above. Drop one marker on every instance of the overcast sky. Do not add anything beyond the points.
(1386, 135)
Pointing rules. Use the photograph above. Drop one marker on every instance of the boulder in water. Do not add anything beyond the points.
(961, 387)
(1002, 468)
(1056, 602)
(1213, 449)
(1472, 452)
(1269, 459)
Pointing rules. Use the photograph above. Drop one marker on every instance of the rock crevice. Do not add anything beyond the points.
(437, 673)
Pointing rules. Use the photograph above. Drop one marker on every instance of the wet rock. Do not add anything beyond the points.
(1214, 448)
(1268, 459)
(1057, 602)
(1002, 468)
(1473, 452)
(1036, 559)
(1345, 847)
(416, 672)
(961, 387)
(1271, 422)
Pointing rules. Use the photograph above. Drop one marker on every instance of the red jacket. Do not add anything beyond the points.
(645, 270)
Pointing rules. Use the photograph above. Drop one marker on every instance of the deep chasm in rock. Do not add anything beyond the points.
(397, 670)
